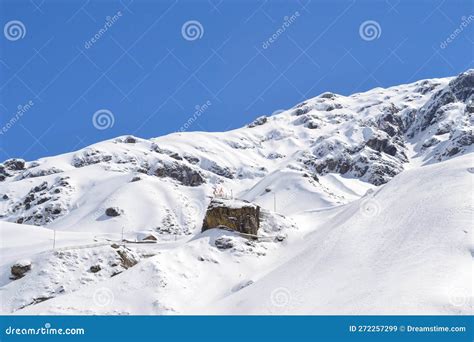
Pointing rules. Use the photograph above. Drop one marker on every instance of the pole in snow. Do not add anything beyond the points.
(54, 238)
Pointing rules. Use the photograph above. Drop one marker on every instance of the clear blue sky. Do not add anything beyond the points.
(151, 78)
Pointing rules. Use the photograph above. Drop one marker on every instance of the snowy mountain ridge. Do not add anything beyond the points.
(320, 172)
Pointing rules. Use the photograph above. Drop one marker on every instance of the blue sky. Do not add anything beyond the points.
(247, 59)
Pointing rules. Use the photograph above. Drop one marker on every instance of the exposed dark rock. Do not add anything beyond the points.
(127, 257)
(180, 172)
(221, 171)
(90, 157)
(426, 86)
(41, 187)
(235, 215)
(301, 110)
(95, 268)
(5, 197)
(191, 159)
(312, 125)
(113, 211)
(31, 173)
(258, 122)
(135, 179)
(40, 299)
(430, 142)
(224, 243)
(43, 200)
(176, 156)
(328, 95)
(470, 108)
(460, 89)
(382, 145)
(14, 164)
(242, 285)
(280, 238)
(20, 268)
(331, 107)
(275, 155)
(41, 205)
(130, 140)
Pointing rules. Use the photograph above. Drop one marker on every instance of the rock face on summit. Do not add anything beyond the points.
(240, 216)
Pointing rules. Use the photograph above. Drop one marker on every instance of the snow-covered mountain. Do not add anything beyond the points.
(365, 206)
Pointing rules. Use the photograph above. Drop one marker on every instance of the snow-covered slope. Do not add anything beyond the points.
(329, 165)
(404, 249)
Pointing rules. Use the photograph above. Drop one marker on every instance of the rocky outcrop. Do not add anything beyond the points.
(40, 172)
(90, 156)
(14, 164)
(236, 215)
(19, 269)
(113, 212)
(43, 204)
(224, 242)
(180, 172)
(130, 140)
(95, 268)
(128, 258)
(460, 89)
(258, 122)
(10, 167)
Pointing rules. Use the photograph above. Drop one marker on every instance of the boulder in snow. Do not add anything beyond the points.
(113, 212)
(236, 215)
(20, 268)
